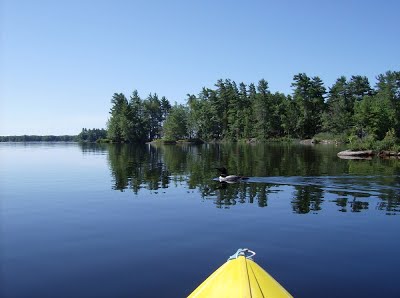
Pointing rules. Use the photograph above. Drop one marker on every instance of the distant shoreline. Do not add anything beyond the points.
(39, 138)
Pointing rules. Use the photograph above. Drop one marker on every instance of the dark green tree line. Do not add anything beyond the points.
(37, 138)
(136, 120)
(91, 135)
(233, 112)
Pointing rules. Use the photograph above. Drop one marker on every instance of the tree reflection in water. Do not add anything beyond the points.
(230, 194)
(307, 199)
(313, 174)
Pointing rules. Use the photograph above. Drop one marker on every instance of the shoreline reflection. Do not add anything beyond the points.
(316, 177)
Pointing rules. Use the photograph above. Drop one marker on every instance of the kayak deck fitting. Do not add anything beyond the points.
(240, 276)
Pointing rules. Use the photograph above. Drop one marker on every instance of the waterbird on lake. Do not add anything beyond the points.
(224, 177)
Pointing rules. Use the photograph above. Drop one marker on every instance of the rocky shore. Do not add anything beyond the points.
(367, 154)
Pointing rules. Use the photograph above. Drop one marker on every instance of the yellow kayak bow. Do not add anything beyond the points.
(240, 277)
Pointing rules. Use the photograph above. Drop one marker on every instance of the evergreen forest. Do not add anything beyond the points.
(38, 138)
(350, 109)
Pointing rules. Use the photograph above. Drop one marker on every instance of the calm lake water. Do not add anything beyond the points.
(145, 221)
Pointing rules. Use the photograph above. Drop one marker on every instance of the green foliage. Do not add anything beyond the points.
(263, 110)
(350, 110)
(309, 96)
(367, 143)
(338, 115)
(137, 123)
(176, 125)
(36, 138)
(138, 120)
(374, 115)
(388, 88)
(117, 124)
(154, 116)
(232, 112)
(390, 141)
(91, 135)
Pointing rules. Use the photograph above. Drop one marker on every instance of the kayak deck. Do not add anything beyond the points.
(240, 277)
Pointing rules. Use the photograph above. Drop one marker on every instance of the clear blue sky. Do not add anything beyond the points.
(61, 61)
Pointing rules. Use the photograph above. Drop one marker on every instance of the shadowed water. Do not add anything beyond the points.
(151, 221)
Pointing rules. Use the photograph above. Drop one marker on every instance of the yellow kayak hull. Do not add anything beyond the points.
(240, 277)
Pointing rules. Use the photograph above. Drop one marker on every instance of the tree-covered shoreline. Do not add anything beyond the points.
(350, 110)
(39, 138)
(86, 135)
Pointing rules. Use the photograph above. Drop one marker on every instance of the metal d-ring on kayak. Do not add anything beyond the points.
(240, 276)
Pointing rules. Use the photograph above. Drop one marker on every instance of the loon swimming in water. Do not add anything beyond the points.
(224, 177)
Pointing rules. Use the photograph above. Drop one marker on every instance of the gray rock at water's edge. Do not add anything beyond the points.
(385, 153)
(356, 153)
(355, 157)
(308, 142)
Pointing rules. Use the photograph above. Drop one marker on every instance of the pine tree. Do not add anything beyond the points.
(262, 109)
(117, 122)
